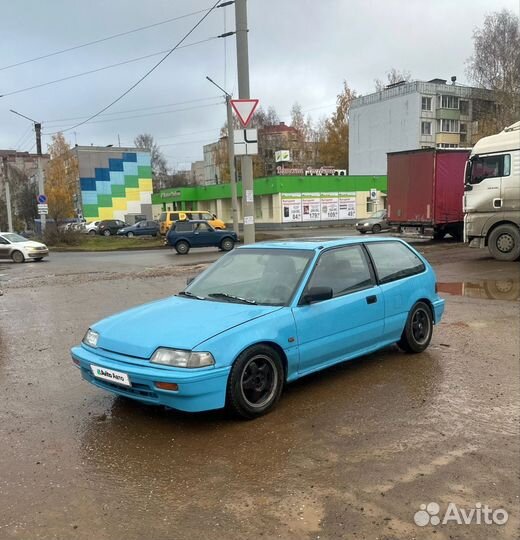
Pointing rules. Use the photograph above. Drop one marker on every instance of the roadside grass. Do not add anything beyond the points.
(111, 243)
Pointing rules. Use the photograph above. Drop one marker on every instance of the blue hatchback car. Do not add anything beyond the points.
(262, 316)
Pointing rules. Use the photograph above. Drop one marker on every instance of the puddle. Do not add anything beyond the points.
(503, 289)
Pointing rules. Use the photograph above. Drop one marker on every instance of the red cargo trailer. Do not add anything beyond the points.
(425, 190)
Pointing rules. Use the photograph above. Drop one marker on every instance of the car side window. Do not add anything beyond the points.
(394, 260)
(202, 227)
(344, 270)
(3, 241)
(490, 167)
(183, 226)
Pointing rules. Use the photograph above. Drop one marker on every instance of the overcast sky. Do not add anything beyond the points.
(300, 50)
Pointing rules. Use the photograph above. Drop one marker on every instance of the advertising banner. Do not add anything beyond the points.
(347, 205)
(311, 206)
(329, 206)
(291, 207)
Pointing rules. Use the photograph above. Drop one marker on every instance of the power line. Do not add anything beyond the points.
(82, 74)
(101, 40)
(134, 116)
(59, 120)
(153, 68)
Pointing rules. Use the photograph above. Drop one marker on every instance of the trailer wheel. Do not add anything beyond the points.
(504, 242)
(439, 235)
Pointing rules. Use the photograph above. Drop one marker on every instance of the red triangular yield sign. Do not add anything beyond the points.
(244, 109)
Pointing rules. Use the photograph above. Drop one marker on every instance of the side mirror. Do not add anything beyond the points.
(189, 281)
(317, 294)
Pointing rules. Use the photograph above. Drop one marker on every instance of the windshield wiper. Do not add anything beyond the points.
(226, 296)
(190, 295)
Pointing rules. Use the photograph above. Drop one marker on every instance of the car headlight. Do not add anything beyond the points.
(366, 224)
(91, 338)
(184, 359)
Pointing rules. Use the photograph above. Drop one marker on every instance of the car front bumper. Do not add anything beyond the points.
(198, 390)
(37, 254)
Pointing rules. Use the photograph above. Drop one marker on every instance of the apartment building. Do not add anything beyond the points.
(407, 116)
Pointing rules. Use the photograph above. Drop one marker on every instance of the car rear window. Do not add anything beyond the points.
(394, 260)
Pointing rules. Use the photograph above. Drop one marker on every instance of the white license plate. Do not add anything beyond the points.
(110, 375)
(411, 230)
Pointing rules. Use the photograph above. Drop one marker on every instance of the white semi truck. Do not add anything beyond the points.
(492, 195)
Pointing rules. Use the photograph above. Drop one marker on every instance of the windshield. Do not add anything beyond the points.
(13, 237)
(253, 276)
(379, 214)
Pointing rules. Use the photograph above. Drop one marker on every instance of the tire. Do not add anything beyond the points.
(227, 244)
(17, 256)
(92, 232)
(129, 234)
(106, 232)
(439, 235)
(182, 247)
(362, 232)
(376, 229)
(504, 243)
(418, 330)
(255, 383)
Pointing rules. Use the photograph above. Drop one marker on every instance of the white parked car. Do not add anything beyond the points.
(19, 249)
(91, 228)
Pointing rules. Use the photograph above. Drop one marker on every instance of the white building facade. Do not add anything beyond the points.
(407, 116)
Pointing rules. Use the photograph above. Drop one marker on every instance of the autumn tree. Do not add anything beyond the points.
(145, 141)
(334, 146)
(61, 177)
(393, 76)
(495, 65)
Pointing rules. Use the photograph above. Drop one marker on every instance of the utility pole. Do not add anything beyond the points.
(231, 157)
(39, 173)
(248, 203)
(7, 195)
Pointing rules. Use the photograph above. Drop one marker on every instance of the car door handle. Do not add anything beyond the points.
(372, 299)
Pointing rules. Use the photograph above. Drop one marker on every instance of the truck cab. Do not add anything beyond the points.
(492, 195)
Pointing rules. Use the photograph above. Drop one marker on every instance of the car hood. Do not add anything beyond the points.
(30, 244)
(371, 220)
(175, 322)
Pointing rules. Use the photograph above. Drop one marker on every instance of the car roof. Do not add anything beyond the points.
(317, 243)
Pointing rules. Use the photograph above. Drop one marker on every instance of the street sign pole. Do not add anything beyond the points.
(248, 203)
(232, 172)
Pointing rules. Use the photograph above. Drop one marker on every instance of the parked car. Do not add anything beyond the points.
(183, 235)
(142, 228)
(110, 226)
(19, 249)
(376, 223)
(167, 219)
(92, 228)
(264, 315)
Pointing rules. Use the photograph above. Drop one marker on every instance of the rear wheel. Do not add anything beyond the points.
(439, 234)
(418, 330)
(256, 381)
(17, 257)
(504, 243)
(182, 247)
(227, 244)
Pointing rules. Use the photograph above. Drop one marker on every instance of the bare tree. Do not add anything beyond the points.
(393, 76)
(146, 141)
(495, 63)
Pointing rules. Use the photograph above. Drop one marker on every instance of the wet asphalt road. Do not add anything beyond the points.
(349, 453)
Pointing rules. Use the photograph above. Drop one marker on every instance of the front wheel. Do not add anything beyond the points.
(418, 330)
(256, 381)
(92, 232)
(227, 244)
(17, 257)
(504, 243)
(182, 247)
(130, 234)
(106, 232)
(362, 231)
(376, 229)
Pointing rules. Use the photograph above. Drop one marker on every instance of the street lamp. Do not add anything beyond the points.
(231, 156)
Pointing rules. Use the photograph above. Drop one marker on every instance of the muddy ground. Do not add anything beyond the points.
(349, 453)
